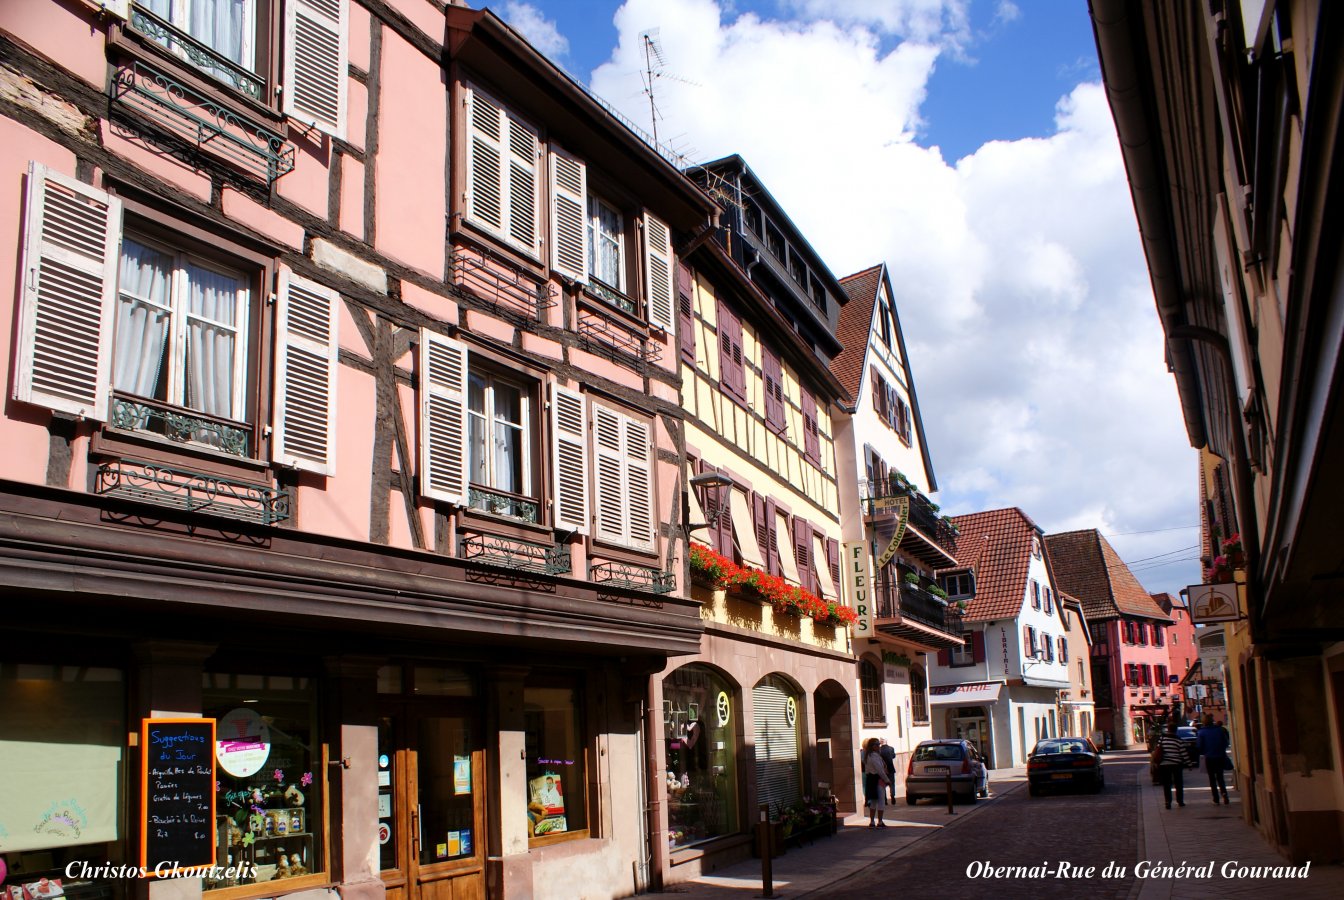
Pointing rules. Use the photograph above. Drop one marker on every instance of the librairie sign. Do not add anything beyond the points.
(177, 802)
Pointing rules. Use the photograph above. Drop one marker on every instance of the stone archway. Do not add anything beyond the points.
(836, 751)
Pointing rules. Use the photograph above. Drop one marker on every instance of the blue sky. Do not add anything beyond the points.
(967, 144)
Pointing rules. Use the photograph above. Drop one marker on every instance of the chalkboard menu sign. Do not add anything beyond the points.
(177, 780)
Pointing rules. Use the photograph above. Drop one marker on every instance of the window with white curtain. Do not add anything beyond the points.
(228, 27)
(499, 442)
(181, 329)
(606, 243)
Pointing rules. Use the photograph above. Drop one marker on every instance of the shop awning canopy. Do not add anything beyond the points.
(965, 694)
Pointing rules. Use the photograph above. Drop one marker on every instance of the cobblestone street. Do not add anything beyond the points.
(1125, 825)
(1019, 830)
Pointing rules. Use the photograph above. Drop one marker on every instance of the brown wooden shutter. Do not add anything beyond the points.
(772, 537)
(944, 657)
(978, 646)
(876, 380)
(833, 560)
(1028, 640)
(774, 392)
(812, 440)
(685, 306)
(762, 526)
(802, 552)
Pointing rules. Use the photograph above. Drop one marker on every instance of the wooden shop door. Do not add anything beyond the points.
(431, 802)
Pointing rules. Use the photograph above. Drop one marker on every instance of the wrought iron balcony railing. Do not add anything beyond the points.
(501, 503)
(923, 513)
(187, 122)
(899, 599)
(147, 416)
(499, 283)
(518, 555)
(199, 54)
(192, 492)
(636, 578)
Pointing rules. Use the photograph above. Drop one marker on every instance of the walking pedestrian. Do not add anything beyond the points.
(1171, 759)
(874, 783)
(1212, 742)
(889, 757)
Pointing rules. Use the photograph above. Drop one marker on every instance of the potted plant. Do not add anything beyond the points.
(1235, 552)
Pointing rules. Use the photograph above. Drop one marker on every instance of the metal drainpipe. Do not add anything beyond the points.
(653, 777)
(1250, 530)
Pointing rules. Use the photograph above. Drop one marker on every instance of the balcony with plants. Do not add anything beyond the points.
(929, 535)
(915, 609)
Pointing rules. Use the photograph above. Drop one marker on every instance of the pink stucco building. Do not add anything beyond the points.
(341, 409)
(1131, 664)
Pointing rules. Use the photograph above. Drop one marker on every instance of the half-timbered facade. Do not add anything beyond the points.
(341, 408)
(763, 714)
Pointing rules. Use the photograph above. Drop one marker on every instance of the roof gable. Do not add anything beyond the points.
(997, 546)
(1087, 566)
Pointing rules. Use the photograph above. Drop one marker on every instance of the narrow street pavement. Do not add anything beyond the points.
(1124, 828)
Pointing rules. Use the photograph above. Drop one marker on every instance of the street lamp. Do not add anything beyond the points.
(715, 482)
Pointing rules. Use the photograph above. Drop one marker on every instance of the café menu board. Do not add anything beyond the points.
(177, 778)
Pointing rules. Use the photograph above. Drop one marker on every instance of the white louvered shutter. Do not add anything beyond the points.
(316, 63)
(569, 428)
(569, 232)
(69, 293)
(305, 374)
(658, 267)
(485, 174)
(443, 418)
(638, 485)
(608, 470)
(524, 159)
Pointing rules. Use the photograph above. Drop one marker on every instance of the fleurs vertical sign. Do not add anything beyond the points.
(859, 585)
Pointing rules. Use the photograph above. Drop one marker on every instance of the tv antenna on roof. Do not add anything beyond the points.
(654, 63)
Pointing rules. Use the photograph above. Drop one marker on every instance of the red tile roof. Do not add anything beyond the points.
(1086, 565)
(997, 546)
(856, 322)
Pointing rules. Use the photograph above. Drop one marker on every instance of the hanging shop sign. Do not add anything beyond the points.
(177, 786)
(1214, 602)
(902, 507)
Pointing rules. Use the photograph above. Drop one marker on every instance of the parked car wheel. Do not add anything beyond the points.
(911, 799)
(1033, 790)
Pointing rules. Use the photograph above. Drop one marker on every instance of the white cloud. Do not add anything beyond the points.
(539, 31)
(1021, 284)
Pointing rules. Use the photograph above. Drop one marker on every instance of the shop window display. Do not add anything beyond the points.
(62, 792)
(269, 777)
(555, 748)
(700, 735)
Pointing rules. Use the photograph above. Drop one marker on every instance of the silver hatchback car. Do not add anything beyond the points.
(932, 763)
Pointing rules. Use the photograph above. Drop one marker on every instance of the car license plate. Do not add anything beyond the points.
(937, 770)
(1061, 776)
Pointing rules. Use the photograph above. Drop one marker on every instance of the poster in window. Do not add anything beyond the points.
(546, 809)
(461, 775)
(244, 742)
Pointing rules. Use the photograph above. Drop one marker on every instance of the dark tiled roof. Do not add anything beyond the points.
(856, 321)
(997, 545)
(1087, 566)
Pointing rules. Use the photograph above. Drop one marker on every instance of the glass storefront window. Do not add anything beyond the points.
(556, 749)
(701, 742)
(269, 768)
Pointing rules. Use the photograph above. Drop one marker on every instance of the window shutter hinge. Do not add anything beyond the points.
(266, 430)
(270, 299)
